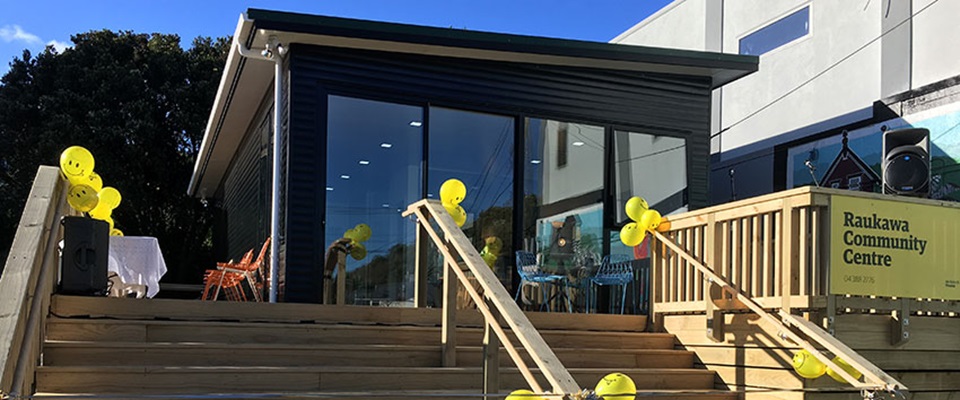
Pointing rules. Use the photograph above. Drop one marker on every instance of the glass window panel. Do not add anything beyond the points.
(653, 167)
(477, 149)
(373, 173)
(779, 33)
(563, 207)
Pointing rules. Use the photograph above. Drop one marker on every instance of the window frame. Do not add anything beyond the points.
(778, 18)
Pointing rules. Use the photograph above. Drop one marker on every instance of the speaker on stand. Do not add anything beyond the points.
(906, 162)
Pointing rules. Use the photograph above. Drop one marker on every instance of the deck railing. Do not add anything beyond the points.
(27, 283)
(492, 300)
(771, 255)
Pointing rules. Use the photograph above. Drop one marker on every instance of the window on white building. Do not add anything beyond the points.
(780, 32)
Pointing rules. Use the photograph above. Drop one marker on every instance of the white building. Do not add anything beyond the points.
(825, 66)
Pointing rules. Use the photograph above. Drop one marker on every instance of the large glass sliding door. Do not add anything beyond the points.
(477, 149)
(563, 192)
(374, 170)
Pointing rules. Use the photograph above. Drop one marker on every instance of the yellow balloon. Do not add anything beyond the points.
(102, 211)
(635, 207)
(82, 198)
(76, 162)
(522, 394)
(352, 234)
(458, 213)
(363, 231)
(109, 222)
(807, 365)
(650, 219)
(358, 251)
(452, 192)
(110, 196)
(494, 244)
(488, 257)
(631, 234)
(616, 386)
(844, 366)
(93, 180)
(116, 232)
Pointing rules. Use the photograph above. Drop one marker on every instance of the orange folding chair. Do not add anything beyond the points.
(231, 276)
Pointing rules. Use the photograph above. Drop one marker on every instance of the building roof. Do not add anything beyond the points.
(245, 81)
(848, 155)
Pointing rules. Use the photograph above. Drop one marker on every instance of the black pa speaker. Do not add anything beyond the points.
(83, 264)
(906, 162)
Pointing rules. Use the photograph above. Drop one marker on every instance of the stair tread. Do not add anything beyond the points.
(266, 369)
(341, 325)
(662, 394)
(221, 345)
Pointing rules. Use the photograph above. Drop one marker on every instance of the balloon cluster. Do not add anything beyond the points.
(614, 386)
(491, 250)
(810, 367)
(644, 219)
(357, 235)
(87, 193)
(452, 193)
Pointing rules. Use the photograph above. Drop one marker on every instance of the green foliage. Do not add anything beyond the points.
(139, 103)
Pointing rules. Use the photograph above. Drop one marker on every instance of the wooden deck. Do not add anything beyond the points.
(776, 249)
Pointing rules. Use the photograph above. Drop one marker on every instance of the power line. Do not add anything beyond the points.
(847, 57)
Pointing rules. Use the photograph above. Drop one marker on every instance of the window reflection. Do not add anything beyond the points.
(373, 173)
(563, 187)
(783, 31)
(477, 149)
(653, 167)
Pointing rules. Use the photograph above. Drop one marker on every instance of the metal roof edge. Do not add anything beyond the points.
(397, 32)
(230, 70)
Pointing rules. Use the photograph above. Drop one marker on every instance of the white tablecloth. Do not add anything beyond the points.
(138, 261)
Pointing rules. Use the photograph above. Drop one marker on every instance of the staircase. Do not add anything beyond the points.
(130, 347)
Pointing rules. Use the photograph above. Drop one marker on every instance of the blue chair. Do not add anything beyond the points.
(615, 270)
(530, 272)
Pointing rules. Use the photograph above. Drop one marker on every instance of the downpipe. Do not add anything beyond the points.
(273, 51)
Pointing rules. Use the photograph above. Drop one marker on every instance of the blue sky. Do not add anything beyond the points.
(34, 24)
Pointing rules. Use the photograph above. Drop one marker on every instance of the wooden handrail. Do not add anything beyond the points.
(27, 283)
(461, 257)
(875, 377)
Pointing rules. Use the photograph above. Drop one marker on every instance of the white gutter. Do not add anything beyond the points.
(273, 51)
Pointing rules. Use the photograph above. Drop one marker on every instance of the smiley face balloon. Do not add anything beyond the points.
(82, 198)
(631, 234)
(93, 180)
(453, 192)
(76, 163)
(457, 212)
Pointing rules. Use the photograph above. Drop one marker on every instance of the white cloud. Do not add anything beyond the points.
(13, 33)
(59, 46)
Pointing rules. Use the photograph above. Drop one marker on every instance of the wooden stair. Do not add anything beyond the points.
(129, 347)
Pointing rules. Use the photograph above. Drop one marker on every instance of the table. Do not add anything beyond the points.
(138, 261)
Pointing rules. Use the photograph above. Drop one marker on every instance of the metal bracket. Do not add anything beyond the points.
(715, 318)
(829, 320)
(900, 324)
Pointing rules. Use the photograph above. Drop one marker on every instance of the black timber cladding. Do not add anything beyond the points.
(671, 105)
(246, 190)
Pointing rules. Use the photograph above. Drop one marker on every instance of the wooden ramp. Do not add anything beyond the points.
(130, 348)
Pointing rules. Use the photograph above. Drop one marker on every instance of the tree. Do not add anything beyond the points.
(139, 103)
